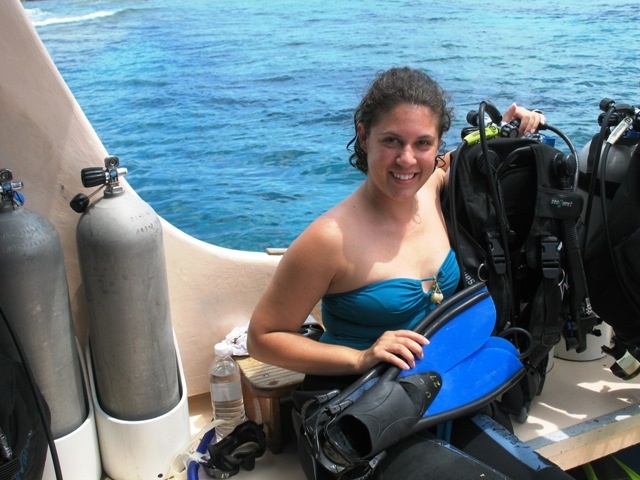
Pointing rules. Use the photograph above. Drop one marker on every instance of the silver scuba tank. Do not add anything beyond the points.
(616, 165)
(617, 161)
(34, 296)
(121, 253)
(619, 135)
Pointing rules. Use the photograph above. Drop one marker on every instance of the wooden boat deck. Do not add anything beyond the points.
(583, 413)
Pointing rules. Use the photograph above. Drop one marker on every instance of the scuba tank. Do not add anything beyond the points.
(34, 296)
(120, 248)
(603, 163)
(610, 175)
(617, 164)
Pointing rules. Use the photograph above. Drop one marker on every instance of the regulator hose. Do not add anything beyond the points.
(599, 141)
(580, 304)
(615, 263)
(36, 395)
(492, 181)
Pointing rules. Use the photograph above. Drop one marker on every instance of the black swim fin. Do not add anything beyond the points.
(382, 415)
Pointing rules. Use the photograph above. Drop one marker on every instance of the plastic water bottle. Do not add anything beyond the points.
(226, 391)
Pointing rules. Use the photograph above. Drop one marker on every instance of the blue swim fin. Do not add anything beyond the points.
(463, 369)
(475, 367)
(457, 339)
(450, 341)
(476, 381)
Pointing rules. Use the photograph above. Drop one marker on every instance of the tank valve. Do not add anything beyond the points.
(107, 177)
(9, 193)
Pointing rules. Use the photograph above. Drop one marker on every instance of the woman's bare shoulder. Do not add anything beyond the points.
(435, 184)
(324, 235)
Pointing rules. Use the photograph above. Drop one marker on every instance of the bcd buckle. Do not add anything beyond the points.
(496, 254)
(550, 256)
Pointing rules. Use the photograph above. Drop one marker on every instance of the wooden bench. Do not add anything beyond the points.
(263, 388)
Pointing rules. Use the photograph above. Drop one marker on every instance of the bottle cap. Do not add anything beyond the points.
(221, 349)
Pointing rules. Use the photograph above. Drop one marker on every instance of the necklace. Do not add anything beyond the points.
(436, 293)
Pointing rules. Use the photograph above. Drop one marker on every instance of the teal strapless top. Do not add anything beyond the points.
(358, 317)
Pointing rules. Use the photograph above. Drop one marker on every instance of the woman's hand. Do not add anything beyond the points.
(399, 348)
(530, 121)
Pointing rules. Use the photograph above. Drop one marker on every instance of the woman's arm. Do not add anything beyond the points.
(301, 279)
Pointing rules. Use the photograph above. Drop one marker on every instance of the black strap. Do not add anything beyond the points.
(551, 291)
(238, 449)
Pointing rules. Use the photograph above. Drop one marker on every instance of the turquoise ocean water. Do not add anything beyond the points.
(232, 117)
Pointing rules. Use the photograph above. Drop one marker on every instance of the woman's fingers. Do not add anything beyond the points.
(530, 120)
(399, 348)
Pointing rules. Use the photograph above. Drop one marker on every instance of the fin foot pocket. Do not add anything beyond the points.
(383, 415)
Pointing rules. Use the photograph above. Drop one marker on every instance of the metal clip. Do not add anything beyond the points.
(620, 129)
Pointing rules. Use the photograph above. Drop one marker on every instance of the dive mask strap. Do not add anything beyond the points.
(238, 449)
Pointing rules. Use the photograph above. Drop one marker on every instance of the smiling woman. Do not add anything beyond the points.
(378, 234)
(400, 153)
(46, 140)
(386, 264)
